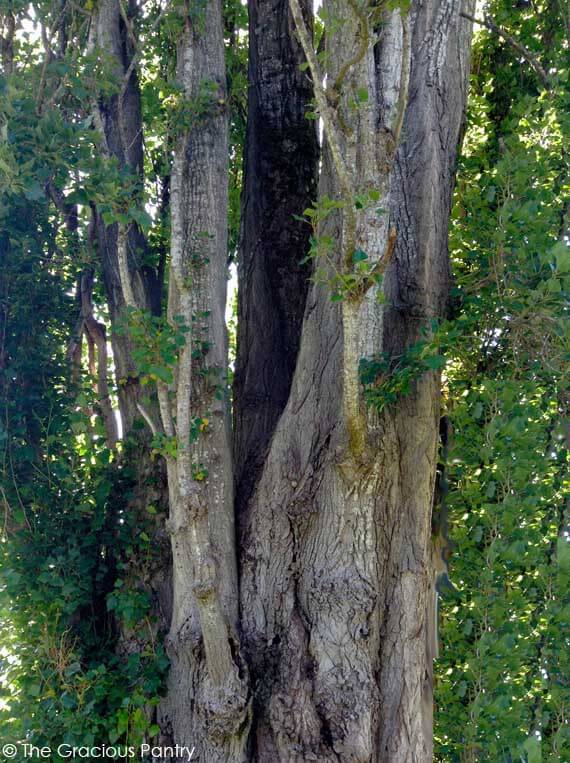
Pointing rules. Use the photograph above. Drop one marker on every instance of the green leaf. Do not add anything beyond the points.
(435, 362)
(561, 253)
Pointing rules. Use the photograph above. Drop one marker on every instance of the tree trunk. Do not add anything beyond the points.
(328, 657)
(335, 560)
(118, 118)
(281, 157)
(207, 705)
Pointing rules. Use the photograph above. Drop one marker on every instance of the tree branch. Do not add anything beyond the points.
(148, 418)
(124, 275)
(362, 48)
(322, 101)
(404, 80)
(96, 334)
(7, 43)
(515, 44)
(137, 51)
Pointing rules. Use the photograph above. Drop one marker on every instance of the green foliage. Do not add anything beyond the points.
(66, 533)
(187, 113)
(66, 530)
(386, 378)
(156, 344)
(502, 679)
(342, 282)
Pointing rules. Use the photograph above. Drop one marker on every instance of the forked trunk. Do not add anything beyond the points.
(314, 646)
(335, 563)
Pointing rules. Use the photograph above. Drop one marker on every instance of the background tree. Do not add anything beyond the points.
(504, 653)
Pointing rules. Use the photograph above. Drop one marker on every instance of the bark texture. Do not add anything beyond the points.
(280, 182)
(335, 561)
(320, 651)
(207, 705)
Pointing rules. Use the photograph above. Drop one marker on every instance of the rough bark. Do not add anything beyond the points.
(281, 157)
(207, 705)
(8, 30)
(336, 578)
(335, 560)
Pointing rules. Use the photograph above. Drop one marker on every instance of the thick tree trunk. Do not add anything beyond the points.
(281, 157)
(335, 498)
(335, 562)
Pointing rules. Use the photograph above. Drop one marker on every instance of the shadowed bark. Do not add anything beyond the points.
(280, 182)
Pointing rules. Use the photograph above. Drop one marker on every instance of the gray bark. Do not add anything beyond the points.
(335, 562)
(335, 587)
(207, 705)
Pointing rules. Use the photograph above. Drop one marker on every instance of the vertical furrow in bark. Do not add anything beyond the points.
(280, 182)
(335, 560)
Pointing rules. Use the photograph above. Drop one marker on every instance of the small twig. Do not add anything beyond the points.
(322, 101)
(525, 52)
